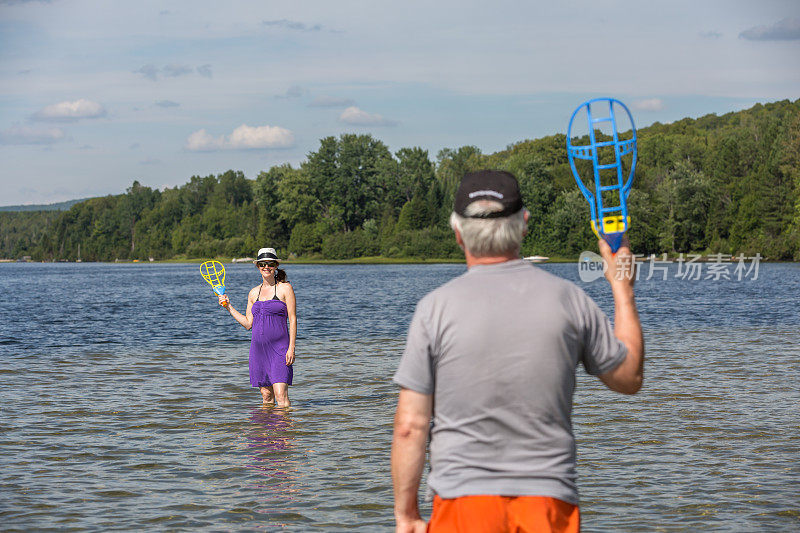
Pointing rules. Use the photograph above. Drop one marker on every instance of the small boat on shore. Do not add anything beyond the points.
(536, 258)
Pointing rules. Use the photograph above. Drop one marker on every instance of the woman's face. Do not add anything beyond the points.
(267, 268)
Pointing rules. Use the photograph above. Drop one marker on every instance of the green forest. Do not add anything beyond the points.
(716, 184)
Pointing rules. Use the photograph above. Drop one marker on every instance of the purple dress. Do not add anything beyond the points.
(269, 343)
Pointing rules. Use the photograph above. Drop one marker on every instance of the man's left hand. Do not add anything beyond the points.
(411, 526)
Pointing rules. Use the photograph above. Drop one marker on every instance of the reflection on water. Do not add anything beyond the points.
(269, 453)
(124, 404)
(269, 440)
(269, 429)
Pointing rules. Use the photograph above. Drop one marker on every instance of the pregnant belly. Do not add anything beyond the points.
(272, 331)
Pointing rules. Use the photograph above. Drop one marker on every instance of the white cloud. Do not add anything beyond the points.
(167, 103)
(331, 101)
(173, 71)
(242, 138)
(246, 137)
(787, 29)
(357, 117)
(70, 111)
(650, 104)
(18, 134)
(202, 141)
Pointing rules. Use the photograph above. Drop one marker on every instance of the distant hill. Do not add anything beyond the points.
(60, 206)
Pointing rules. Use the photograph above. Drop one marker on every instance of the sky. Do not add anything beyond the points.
(95, 95)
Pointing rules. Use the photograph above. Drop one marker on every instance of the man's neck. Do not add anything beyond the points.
(488, 260)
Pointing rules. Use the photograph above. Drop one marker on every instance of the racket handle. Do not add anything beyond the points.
(220, 290)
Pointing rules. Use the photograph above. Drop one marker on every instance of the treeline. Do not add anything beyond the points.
(21, 232)
(725, 184)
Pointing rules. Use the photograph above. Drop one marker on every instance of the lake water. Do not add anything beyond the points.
(126, 403)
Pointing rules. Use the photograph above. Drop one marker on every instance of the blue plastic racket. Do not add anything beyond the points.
(609, 222)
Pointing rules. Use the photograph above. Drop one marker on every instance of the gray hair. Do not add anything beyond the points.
(485, 237)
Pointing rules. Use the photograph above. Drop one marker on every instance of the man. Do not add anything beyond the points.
(490, 359)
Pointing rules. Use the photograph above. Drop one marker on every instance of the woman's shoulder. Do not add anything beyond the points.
(254, 291)
(284, 286)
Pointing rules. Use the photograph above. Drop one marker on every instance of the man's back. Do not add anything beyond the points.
(490, 360)
(497, 348)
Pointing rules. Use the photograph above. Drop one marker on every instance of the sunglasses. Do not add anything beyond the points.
(271, 264)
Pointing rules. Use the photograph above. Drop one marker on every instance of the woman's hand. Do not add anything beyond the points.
(290, 356)
(223, 300)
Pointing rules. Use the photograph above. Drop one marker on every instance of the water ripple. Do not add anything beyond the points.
(127, 405)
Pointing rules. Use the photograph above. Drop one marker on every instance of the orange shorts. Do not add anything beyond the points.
(511, 514)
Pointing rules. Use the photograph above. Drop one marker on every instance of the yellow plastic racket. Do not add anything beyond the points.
(214, 273)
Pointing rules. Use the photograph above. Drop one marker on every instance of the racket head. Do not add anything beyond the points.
(602, 150)
(214, 273)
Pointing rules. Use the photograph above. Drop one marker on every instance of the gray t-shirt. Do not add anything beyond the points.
(498, 348)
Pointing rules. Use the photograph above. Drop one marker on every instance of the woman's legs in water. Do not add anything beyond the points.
(281, 394)
(267, 394)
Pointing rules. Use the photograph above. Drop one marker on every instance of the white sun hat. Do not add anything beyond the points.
(266, 254)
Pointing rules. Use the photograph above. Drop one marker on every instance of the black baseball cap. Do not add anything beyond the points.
(497, 185)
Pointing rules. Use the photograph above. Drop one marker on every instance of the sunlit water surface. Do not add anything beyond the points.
(126, 403)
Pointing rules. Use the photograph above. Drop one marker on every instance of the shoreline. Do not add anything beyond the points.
(299, 261)
(374, 260)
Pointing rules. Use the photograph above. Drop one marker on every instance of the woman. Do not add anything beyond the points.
(272, 345)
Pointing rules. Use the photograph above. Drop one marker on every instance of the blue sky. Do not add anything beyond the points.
(94, 95)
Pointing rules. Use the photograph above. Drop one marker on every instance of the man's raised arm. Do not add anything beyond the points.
(627, 377)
